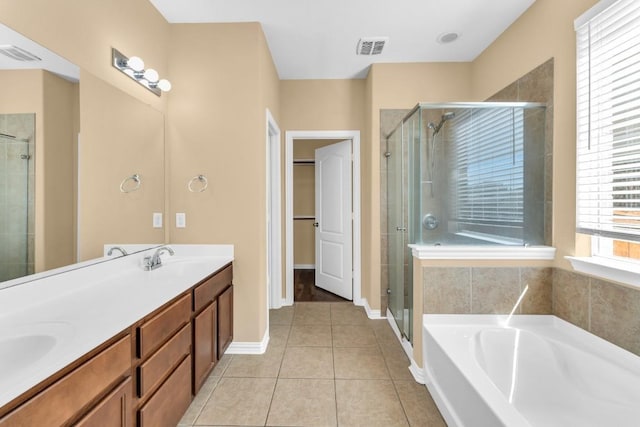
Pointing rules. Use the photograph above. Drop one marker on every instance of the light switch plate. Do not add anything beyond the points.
(157, 220)
(181, 220)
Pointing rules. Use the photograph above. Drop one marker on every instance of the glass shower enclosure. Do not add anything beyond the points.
(462, 174)
(16, 195)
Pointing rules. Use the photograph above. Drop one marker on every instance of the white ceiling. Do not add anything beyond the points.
(317, 39)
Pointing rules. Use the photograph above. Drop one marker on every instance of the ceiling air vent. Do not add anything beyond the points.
(371, 45)
(14, 52)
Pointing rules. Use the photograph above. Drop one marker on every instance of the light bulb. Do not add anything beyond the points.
(164, 85)
(135, 63)
(151, 75)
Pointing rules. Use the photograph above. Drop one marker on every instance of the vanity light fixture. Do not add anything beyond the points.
(134, 68)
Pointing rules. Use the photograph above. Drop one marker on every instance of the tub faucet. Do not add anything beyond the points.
(117, 248)
(153, 262)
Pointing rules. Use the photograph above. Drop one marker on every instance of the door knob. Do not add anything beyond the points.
(315, 224)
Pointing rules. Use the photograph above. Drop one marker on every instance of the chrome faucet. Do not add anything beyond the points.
(153, 262)
(116, 248)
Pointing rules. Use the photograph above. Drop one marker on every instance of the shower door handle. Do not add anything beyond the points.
(401, 228)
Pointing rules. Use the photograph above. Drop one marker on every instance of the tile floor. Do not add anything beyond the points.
(327, 365)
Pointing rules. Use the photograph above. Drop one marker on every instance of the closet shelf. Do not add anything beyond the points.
(304, 162)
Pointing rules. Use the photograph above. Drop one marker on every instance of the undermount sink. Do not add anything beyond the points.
(24, 347)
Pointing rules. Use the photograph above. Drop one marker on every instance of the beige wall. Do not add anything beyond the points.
(397, 86)
(120, 137)
(60, 109)
(322, 105)
(217, 128)
(542, 32)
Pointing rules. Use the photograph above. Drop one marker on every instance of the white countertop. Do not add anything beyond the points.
(78, 310)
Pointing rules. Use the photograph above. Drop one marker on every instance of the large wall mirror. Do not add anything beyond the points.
(69, 144)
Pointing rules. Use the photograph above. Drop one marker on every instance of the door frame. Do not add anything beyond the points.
(338, 135)
(274, 214)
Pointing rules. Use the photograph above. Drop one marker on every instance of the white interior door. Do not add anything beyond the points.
(334, 219)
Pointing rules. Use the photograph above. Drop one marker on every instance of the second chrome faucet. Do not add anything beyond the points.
(154, 261)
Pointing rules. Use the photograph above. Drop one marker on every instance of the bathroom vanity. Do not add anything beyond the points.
(179, 322)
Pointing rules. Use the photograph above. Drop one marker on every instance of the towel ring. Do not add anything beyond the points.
(199, 178)
(135, 178)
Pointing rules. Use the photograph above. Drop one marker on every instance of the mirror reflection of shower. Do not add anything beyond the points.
(435, 128)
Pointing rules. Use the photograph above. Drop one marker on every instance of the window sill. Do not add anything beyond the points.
(609, 269)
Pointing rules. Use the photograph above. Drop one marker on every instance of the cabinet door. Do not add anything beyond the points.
(225, 320)
(204, 344)
(112, 411)
(169, 403)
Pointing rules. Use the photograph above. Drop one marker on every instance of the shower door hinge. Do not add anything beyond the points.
(388, 291)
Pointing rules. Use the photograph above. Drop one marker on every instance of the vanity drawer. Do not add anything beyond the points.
(159, 365)
(114, 410)
(155, 331)
(170, 402)
(204, 293)
(63, 400)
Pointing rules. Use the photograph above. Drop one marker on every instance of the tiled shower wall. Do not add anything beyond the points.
(603, 308)
(16, 196)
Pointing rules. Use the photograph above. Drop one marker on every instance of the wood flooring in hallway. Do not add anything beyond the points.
(306, 291)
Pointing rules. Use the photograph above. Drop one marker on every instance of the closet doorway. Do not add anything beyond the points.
(322, 216)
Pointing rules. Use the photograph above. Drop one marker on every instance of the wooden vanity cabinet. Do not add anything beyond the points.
(212, 323)
(145, 376)
(163, 378)
(97, 385)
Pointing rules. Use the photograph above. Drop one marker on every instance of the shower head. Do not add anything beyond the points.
(436, 128)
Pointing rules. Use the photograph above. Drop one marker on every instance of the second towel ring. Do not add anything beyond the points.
(135, 178)
(202, 180)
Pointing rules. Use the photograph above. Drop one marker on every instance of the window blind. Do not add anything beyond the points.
(608, 122)
(488, 166)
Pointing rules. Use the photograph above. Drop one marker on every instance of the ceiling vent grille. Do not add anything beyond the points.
(14, 52)
(371, 45)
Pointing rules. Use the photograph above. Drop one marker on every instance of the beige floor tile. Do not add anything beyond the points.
(199, 401)
(222, 365)
(353, 336)
(265, 365)
(238, 401)
(303, 402)
(307, 362)
(384, 333)
(359, 363)
(397, 362)
(368, 404)
(310, 335)
(348, 314)
(281, 316)
(312, 313)
(278, 335)
(418, 405)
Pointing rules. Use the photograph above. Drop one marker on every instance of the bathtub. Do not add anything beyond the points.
(533, 371)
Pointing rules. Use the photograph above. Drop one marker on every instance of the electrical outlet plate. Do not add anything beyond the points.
(181, 220)
(157, 220)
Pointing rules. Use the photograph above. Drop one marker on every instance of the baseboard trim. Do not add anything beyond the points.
(304, 266)
(416, 371)
(371, 314)
(249, 347)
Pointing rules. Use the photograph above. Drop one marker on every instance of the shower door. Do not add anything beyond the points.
(16, 195)
(397, 229)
